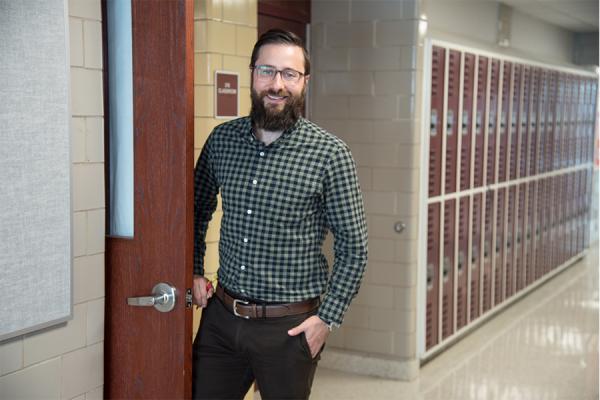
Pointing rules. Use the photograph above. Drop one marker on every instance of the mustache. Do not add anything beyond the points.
(278, 93)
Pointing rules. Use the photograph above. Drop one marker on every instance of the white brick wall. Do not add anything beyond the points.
(364, 80)
(66, 361)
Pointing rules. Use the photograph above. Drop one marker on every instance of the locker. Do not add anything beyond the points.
(542, 138)
(588, 201)
(580, 210)
(511, 227)
(520, 247)
(539, 242)
(552, 219)
(492, 121)
(500, 250)
(488, 253)
(578, 120)
(571, 215)
(436, 117)
(566, 121)
(463, 264)
(505, 119)
(573, 120)
(515, 118)
(448, 269)
(559, 116)
(529, 232)
(467, 121)
(451, 119)
(589, 137)
(476, 257)
(433, 261)
(480, 120)
(549, 121)
(524, 132)
(560, 228)
(534, 117)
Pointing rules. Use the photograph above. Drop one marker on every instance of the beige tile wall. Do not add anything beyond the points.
(364, 79)
(66, 362)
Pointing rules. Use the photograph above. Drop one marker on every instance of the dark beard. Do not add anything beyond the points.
(271, 119)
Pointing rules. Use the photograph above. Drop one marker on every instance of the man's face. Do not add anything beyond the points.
(277, 103)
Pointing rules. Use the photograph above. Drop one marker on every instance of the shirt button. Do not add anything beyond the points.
(249, 212)
(245, 240)
(254, 182)
(242, 290)
(262, 153)
(243, 267)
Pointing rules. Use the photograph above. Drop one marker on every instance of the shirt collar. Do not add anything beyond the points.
(247, 132)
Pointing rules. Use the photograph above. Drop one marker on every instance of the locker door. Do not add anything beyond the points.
(499, 260)
(551, 224)
(592, 108)
(551, 120)
(559, 116)
(433, 264)
(571, 215)
(546, 131)
(487, 250)
(588, 201)
(476, 257)
(573, 120)
(463, 262)
(515, 125)
(467, 122)
(437, 107)
(448, 269)
(520, 247)
(492, 122)
(480, 119)
(511, 228)
(566, 121)
(505, 119)
(534, 117)
(581, 121)
(524, 132)
(451, 119)
(580, 210)
(539, 228)
(530, 231)
(589, 131)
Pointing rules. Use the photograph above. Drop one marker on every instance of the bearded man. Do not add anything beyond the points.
(284, 182)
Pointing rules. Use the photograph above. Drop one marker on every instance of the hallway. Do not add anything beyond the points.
(543, 347)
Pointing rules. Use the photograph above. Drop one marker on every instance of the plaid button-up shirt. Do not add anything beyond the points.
(278, 203)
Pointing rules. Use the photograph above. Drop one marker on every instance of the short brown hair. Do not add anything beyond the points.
(279, 36)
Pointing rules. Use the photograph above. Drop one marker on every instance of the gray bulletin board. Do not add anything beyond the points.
(35, 167)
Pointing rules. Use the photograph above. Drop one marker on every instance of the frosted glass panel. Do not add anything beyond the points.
(120, 91)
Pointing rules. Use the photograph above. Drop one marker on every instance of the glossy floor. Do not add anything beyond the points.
(543, 347)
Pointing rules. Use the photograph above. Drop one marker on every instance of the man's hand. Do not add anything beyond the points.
(203, 291)
(316, 332)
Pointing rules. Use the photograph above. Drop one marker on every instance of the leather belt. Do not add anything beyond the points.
(245, 309)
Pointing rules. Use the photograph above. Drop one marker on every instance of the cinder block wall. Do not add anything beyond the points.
(66, 362)
(224, 35)
(363, 91)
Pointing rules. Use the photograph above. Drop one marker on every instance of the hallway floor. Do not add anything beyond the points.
(543, 347)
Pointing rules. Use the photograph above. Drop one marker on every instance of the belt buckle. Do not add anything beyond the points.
(235, 303)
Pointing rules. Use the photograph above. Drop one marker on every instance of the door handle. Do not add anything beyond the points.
(162, 298)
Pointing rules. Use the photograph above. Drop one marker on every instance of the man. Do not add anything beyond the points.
(284, 182)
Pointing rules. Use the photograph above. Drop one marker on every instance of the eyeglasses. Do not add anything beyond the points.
(268, 73)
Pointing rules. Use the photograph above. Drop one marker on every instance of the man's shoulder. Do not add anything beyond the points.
(321, 136)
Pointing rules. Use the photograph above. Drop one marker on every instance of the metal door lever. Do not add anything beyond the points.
(162, 298)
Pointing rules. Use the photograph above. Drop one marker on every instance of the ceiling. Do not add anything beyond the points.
(574, 15)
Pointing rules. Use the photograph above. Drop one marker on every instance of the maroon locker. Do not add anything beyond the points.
(492, 121)
(524, 132)
(566, 121)
(480, 120)
(433, 263)
(572, 140)
(463, 263)
(515, 126)
(488, 253)
(451, 119)
(476, 256)
(520, 247)
(511, 228)
(558, 252)
(437, 108)
(530, 233)
(578, 120)
(571, 215)
(551, 120)
(581, 178)
(552, 217)
(588, 155)
(559, 105)
(504, 123)
(592, 124)
(500, 261)
(542, 114)
(547, 130)
(587, 210)
(467, 121)
(534, 117)
(540, 205)
(448, 269)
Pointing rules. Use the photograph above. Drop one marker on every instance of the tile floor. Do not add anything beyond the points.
(544, 347)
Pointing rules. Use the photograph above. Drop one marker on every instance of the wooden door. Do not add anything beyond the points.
(147, 352)
(291, 15)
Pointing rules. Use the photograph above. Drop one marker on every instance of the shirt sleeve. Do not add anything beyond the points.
(206, 189)
(346, 218)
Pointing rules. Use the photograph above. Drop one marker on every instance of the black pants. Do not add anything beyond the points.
(231, 352)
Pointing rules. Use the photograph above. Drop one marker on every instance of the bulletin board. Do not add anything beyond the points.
(35, 167)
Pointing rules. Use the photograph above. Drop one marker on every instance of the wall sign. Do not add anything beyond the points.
(226, 94)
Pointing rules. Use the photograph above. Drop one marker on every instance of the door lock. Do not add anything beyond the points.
(162, 298)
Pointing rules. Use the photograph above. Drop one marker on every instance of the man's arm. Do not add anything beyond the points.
(346, 219)
(206, 189)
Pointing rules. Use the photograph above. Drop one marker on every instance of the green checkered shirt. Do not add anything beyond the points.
(278, 203)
